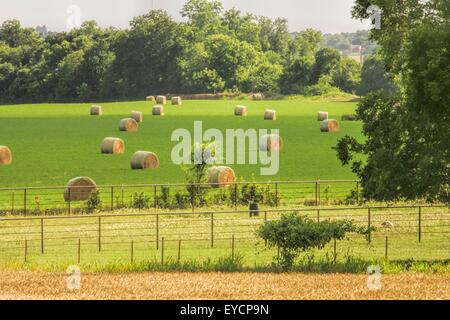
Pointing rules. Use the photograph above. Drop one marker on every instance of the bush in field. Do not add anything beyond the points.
(294, 234)
(94, 202)
(140, 201)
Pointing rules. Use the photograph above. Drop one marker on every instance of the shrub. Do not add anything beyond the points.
(94, 202)
(294, 234)
(140, 201)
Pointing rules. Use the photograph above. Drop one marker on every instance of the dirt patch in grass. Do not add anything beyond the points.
(155, 286)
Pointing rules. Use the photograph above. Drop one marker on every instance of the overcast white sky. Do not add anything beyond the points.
(329, 16)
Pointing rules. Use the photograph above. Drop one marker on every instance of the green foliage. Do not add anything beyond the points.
(374, 76)
(94, 202)
(294, 234)
(140, 201)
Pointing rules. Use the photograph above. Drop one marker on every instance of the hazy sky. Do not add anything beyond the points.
(325, 15)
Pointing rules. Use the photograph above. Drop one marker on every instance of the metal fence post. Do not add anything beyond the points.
(212, 230)
(317, 193)
(25, 202)
(112, 198)
(42, 236)
(157, 232)
(420, 223)
(276, 195)
(123, 203)
(99, 234)
(369, 228)
(162, 251)
(386, 249)
(155, 204)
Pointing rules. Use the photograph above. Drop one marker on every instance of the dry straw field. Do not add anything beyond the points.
(229, 286)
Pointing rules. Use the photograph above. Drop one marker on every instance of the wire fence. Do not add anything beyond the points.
(29, 201)
(401, 232)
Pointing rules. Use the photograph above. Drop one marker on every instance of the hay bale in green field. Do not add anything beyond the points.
(137, 116)
(258, 96)
(322, 115)
(161, 100)
(271, 142)
(329, 125)
(142, 160)
(221, 177)
(5, 155)
(79, 189)
(96, 111)
(270, 115)
(150, 98)
(240, 111)
(349, 117)
(177, 101)
(158, 110)
(129, 125)
(113, 146)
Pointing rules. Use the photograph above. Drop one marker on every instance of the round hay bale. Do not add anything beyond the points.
(158, 110)
(128, 124)
(240, 111)
(322, 115)
(96, 111)
(5, 155)
(144, 160)
(150, 98)
(177, 101)
(271, 142)
(79, 189)
(113, 146)
(270, 115)
(221, 177)
(258, 96)
(137, 116)
(329, 125)
(161, 99)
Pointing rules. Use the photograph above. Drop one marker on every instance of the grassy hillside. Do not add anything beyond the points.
(52, 143)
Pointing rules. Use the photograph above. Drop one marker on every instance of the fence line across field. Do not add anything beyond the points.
(20, 199)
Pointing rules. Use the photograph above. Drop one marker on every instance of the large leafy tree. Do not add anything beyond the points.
(408, 136)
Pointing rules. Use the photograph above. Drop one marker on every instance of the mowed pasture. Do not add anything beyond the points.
(52, 143)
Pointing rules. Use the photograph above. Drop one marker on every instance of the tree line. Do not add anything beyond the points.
(214, 50)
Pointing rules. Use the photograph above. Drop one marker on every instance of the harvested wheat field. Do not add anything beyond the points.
(222, 286)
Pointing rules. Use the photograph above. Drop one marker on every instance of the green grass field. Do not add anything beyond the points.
(52, 143)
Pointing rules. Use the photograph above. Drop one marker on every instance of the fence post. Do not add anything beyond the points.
(162, 251)
(26, 249)
(179, 251)
(25, 202)
(317, 193)
(276, 195)
(212, 230)
(420, 223)
(357, 192)
(132, 251)
(369, 225)
(318, 215)
(265, 216)
(157, 232)
(112, 198)
(79, 251)
(123, 192)
(386, 249)
(155, 204)
(42, 236)
(68, 201)
(99, 234)
(193, 197)
(12, 205)
(235, 196)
